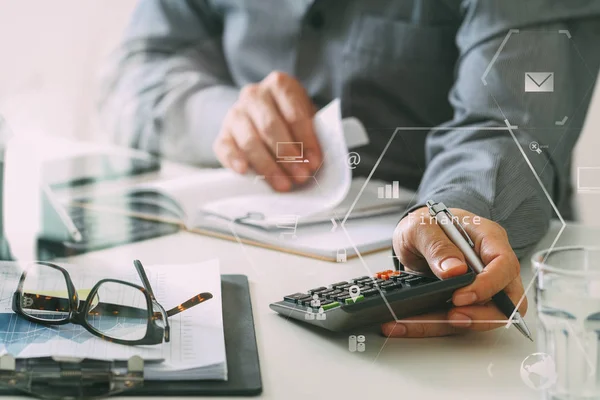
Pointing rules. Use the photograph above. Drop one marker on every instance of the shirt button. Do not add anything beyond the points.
(316, 20)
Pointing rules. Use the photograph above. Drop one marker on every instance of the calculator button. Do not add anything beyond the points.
(352, 301)
(335, 285)
(306, 302)
(359, 279)
(325, 293)
(374, 282)
(400, 277)
(414, 281)
(343, 298)
(369, 292)
(333, 294)
(392, 287)
(325, 302)
(296, 297)
(331, 305)
(317, 290)
(381, 274)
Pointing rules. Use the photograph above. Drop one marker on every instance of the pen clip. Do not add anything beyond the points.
(435, 208)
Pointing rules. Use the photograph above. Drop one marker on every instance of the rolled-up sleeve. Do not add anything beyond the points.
(475, 162)
(167, 88)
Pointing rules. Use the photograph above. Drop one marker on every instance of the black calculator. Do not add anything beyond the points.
(366, 300)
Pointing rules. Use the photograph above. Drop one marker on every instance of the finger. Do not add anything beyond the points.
(257, 154)
(501, 269)
(427, 325)
(229, 154)
(274, 131)
(425, 238)
(297, 109)
(483, 317)
(404, 250)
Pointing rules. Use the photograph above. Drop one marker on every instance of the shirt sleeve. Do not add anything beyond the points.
(475, 162)
(167, 88)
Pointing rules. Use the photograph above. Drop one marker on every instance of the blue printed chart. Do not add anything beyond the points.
(16, 334)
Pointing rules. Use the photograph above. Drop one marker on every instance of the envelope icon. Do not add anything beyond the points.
(539, 81)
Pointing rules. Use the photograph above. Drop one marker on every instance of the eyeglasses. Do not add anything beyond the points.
(114, 310)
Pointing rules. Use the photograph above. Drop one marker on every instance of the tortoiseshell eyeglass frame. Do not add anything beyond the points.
(77, 310)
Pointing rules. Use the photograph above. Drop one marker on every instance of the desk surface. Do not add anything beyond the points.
(300, 362)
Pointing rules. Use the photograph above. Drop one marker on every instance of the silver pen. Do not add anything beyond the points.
(458, 236)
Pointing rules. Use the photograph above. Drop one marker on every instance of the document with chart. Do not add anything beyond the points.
(196, 349)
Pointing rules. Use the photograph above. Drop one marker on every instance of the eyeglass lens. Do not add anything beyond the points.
(45, 295)
(118, 311)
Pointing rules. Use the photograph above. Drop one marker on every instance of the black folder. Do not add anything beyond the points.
(240, 345)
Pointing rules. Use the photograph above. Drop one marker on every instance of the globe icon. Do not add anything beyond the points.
(538, 371)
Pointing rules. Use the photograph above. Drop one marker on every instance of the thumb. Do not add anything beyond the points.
(443, 257)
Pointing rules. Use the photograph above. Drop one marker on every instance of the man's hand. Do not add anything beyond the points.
(421, 245)
(275, 110)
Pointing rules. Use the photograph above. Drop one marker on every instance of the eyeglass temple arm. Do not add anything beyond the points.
(194, 301)
(142, 273)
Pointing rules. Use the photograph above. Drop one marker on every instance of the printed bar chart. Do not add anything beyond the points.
(389, 191)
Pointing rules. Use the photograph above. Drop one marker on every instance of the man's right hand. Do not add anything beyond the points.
(277, 109)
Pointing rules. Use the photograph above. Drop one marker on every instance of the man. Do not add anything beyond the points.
(237, 77)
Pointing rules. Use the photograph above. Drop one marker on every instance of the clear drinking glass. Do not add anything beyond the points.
(568, 309)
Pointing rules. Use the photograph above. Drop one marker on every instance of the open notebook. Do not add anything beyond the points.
(304, 221)
(197, 346)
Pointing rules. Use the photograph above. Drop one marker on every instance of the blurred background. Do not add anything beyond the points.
(52, 51)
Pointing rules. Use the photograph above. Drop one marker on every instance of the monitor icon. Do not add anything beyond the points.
(290, 152)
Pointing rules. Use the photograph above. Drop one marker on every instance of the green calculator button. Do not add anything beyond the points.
(358, 298)
(330, 305)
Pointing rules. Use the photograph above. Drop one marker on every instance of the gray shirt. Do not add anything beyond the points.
(457, 70)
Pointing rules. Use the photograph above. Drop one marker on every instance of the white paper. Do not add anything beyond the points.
(197, 336)
(354, 133)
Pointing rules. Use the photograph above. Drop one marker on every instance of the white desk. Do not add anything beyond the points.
(299, 362)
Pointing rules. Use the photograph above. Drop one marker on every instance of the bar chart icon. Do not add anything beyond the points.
(389, 191)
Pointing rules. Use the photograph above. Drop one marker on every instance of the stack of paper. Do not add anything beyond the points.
(197, 346)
